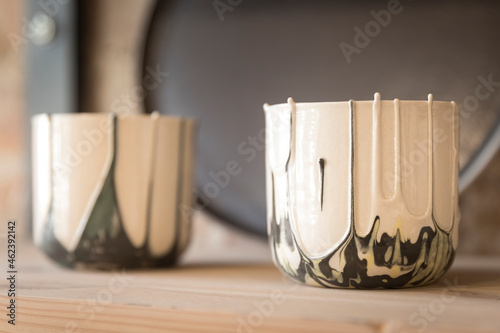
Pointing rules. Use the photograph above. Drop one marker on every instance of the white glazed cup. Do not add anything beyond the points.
(112, 190)
(356, 195)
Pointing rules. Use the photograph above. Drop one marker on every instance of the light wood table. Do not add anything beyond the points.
(204, 295)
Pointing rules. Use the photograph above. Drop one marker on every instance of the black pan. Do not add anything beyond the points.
(226, 59)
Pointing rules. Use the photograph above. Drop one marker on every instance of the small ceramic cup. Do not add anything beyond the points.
(112, 191)
(363, 194)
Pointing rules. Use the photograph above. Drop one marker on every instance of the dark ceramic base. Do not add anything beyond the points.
(397, 263)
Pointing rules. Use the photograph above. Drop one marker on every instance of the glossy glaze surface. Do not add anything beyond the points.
(363, 193)
(112, 191)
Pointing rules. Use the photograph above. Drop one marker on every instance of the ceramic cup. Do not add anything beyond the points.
(112, 190)
(363, 194)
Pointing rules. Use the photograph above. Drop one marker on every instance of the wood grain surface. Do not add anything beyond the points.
(226, 294)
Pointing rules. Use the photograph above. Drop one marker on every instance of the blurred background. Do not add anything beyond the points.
(221, 60)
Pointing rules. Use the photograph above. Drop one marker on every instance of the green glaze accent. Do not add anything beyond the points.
(104, 243)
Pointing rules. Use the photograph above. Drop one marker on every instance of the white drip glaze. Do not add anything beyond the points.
(382, 131)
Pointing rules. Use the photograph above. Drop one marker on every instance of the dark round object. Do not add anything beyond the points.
(225, 63)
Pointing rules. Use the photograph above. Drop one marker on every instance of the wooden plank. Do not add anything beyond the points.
(237, 297)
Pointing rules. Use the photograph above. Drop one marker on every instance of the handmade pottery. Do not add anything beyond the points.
(363, 194)
(112, 190)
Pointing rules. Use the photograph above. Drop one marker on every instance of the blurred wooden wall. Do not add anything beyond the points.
(13, 120)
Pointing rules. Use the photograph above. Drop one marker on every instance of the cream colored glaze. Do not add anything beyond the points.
(146, 175)
(138, 134)
(279, 136)
(305, 184)
(75, 190)
(166, 187)
(42, 189)
(187, 182)
(397, 175)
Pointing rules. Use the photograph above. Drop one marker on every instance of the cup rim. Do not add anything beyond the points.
(280, 106)
(118, 115)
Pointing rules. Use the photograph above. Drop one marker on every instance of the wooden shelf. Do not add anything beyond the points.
(253, 297)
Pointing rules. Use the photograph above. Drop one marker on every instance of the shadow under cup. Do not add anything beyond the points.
(363, 194)
(112, 191)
